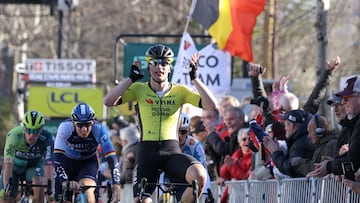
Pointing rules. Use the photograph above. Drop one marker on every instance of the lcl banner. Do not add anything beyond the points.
(58, 102)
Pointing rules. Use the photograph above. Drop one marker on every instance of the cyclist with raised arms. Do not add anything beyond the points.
(75, 159)
(158, 108)
(27, 154)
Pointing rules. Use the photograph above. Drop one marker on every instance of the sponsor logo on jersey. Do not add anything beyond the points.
(29, 155)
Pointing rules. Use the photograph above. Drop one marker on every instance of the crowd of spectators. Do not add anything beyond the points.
(280, 137)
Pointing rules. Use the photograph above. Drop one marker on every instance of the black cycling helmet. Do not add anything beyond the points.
(120, 121)
(160, 51)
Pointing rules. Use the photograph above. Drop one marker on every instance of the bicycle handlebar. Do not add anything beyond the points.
(29, 184)
(144, 182)
(83, 189)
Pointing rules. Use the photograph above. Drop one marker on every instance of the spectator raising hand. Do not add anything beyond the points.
(256, 69)
(282, 83)
(332, 65)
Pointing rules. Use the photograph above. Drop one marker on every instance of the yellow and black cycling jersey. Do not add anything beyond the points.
(158, 116)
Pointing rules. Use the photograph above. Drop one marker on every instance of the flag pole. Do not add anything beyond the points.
(192, 8)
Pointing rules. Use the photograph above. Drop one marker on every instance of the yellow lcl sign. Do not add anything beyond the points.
(59, 102)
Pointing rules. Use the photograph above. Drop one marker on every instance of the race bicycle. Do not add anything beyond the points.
(168, 190)
(80, 196)
(26, 189)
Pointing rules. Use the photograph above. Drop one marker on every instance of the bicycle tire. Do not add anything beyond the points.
(24, 199)
(195, 187)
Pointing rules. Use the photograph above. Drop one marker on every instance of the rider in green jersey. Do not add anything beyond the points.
(27, 154)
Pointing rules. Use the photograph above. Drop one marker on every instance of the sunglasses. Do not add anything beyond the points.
(183, 132)
(161, 62)
(33, 131)
(245, 138)
(80, 125)
(335, 105)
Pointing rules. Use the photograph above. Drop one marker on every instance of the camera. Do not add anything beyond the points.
(259, 100)
(248, 67)
(348, 170)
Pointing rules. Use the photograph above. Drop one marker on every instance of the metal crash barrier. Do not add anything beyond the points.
(295, 190)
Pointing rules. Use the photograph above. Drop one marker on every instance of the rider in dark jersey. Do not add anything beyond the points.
(158, 108)
(75, 158)
(27, 154)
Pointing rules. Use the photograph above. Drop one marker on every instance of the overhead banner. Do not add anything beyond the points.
(60, 70)
(58, 102)
(214, 67)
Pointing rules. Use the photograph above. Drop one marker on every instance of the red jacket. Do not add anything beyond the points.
(240, 170)
(221, 129)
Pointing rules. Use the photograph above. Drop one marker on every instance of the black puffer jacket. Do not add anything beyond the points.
(345, 133)
(352, 155)
(216, 148)
(299, 146)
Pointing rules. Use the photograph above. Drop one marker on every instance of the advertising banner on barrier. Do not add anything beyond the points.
(59, 102)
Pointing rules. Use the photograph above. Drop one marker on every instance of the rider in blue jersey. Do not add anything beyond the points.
(190, 145)
(75, 158)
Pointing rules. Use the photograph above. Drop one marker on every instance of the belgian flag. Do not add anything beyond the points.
(230, 23)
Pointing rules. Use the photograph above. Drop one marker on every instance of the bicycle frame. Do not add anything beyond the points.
(25, 193)
(81, 198)
(168, 192)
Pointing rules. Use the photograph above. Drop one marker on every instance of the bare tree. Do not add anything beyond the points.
(89, 32)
